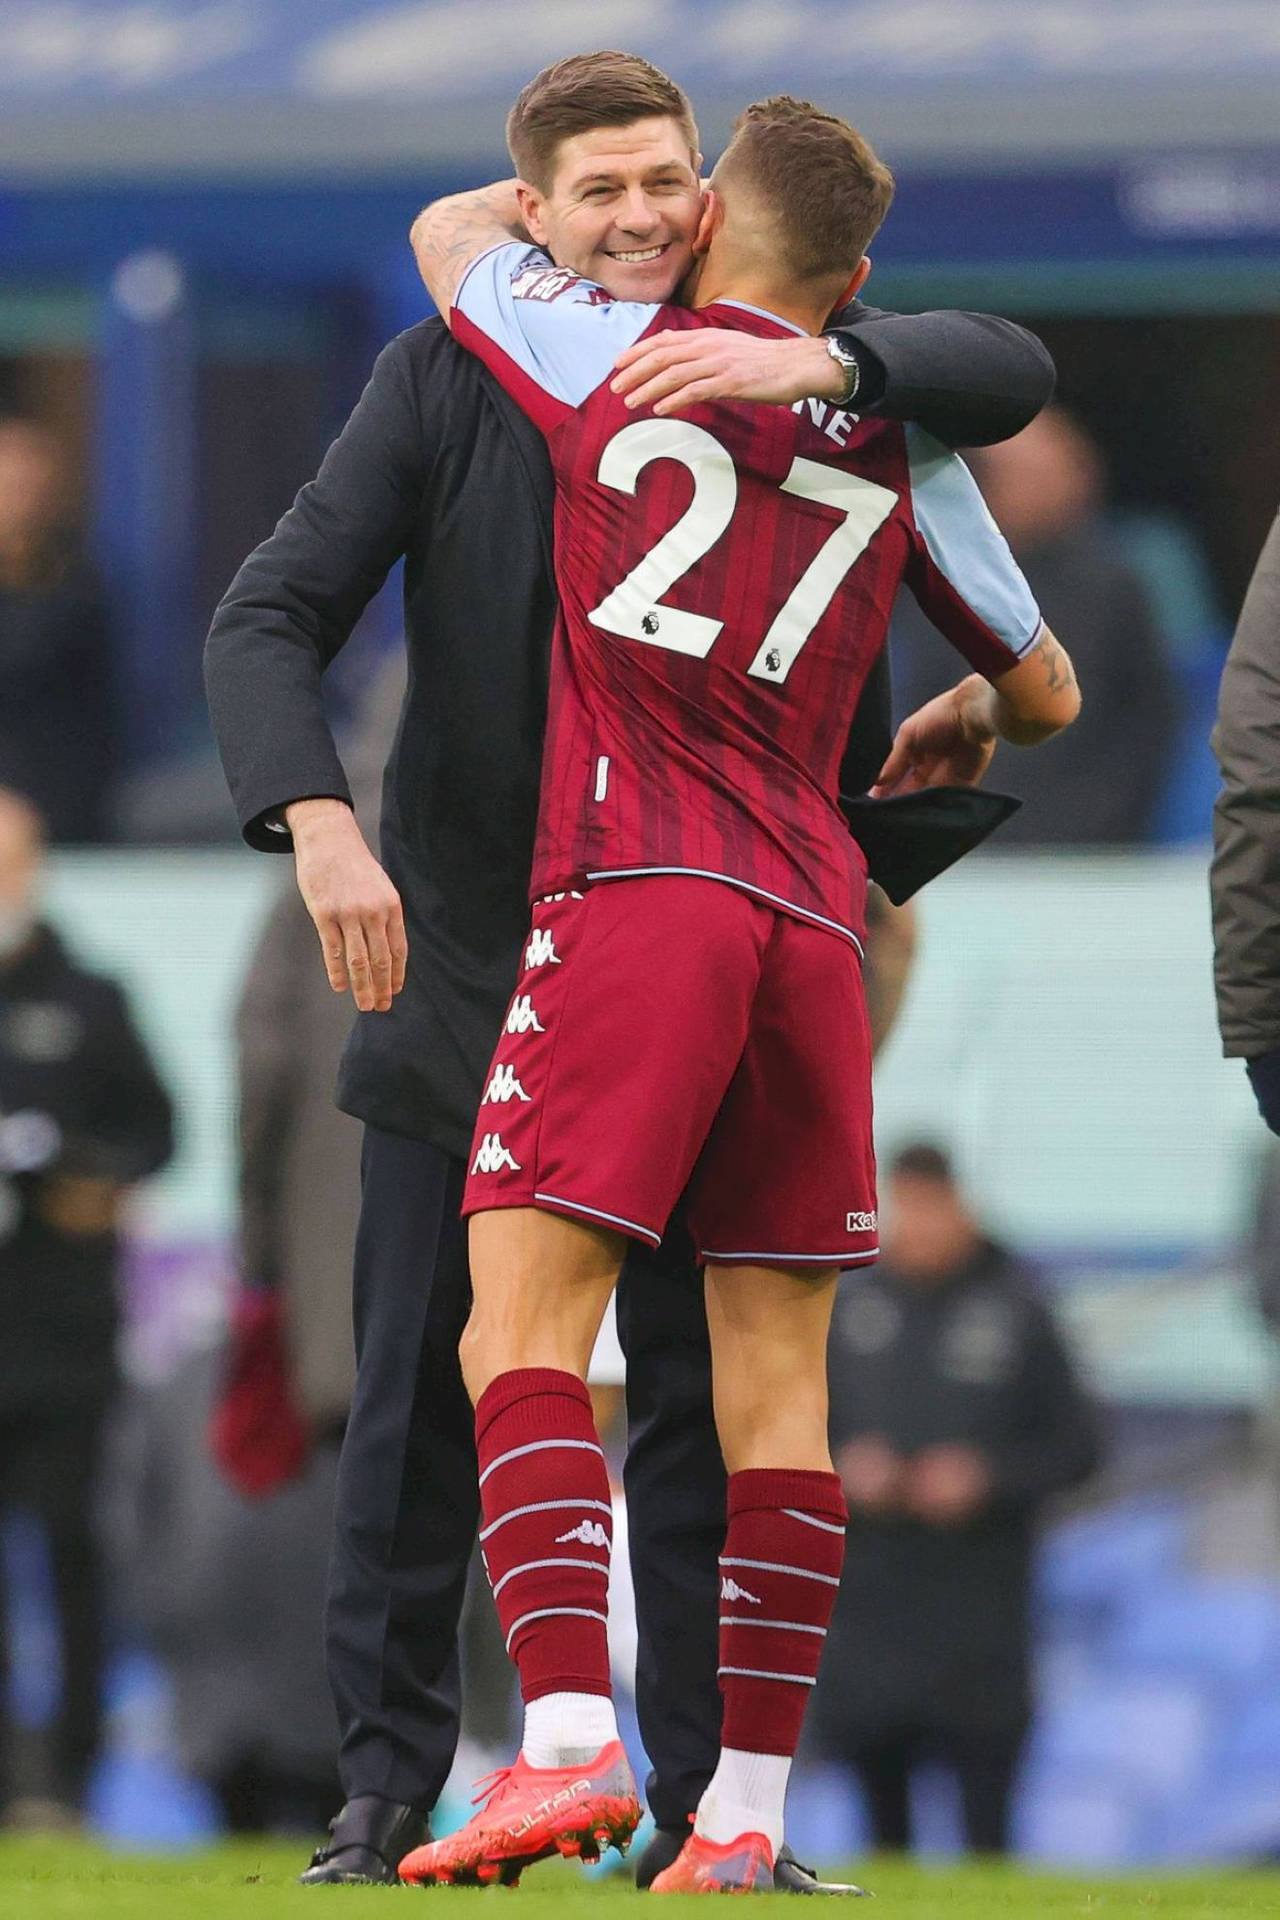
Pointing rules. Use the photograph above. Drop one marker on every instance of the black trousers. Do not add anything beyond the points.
(408, 1505)
(985, 1764)
(49, 1466)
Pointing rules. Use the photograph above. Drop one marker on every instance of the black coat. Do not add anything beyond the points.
(932, 1622)
(438, 464)
(78, 1096)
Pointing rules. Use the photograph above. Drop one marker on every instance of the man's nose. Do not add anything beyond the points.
(639, 215)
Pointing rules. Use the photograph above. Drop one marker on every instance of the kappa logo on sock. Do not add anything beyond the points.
(730, 1590)
(590, 1532)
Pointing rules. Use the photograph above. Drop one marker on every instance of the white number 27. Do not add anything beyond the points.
(632, 610)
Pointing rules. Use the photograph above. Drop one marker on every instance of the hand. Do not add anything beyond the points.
(947, 1485)
(676, 370)
(947, 742)
(354, 907)
(871, 1473)
(79, 1206)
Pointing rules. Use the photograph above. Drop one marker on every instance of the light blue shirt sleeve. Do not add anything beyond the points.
(966, 548)
(561, 331)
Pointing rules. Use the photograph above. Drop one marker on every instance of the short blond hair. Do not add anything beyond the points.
(817, 174)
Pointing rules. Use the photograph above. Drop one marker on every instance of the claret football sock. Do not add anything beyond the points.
(546, 1532)
(779, 1575)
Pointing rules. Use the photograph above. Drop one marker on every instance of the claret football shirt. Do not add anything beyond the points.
(726, 581)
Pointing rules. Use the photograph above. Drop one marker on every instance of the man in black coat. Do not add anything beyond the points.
(83, 1116)
(955, 1413)
(437, 464)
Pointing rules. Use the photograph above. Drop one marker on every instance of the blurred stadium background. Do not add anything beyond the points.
(203, 210)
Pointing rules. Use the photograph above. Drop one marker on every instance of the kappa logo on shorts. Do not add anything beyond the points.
(522, 1018)
(860, 1223)
(590, 1532)
(541, 950)
(730, 1590)
(503, 1087)
(493, 1156)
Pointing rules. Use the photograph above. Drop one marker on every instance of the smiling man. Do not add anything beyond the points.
(624, 200)
(437, 464)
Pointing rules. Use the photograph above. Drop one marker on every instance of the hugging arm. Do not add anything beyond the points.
(968, 378)
(450, 233)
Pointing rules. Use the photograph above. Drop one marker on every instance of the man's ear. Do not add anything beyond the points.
(529, 201)
(710, 220)
(856, 285)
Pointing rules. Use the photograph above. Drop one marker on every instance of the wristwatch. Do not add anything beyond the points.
(847, 361)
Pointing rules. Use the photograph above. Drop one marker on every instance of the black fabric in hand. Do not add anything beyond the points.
(1264, 1078)
(911, 838)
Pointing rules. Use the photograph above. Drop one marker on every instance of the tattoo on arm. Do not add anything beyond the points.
(450, 234)
(1060, 671)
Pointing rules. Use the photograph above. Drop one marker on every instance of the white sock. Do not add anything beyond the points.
(746, 1794)
(567, 1729)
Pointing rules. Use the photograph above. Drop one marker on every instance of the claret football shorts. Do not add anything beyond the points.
(670, 1032)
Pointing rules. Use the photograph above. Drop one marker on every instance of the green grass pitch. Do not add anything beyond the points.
(47, 1879)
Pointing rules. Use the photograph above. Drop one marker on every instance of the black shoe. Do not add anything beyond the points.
(367, 1842)
(788, 1875)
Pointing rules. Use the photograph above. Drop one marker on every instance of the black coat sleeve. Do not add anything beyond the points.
(969, 379)
(127, 1129)
(295, 600)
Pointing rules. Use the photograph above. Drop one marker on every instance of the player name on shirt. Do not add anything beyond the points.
(834, 422)
(726, 581)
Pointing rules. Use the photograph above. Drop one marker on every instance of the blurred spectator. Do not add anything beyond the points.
(954, 1414)
(1244, 882)
(1104, 784)
(56, 737)
(82, 1117)
(228, 1590)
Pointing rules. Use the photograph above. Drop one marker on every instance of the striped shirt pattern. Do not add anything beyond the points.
(726, 584)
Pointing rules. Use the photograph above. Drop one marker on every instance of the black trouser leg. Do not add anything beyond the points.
(54, 1473)
(675, 1485)
(986, 1766)
(489, 1691)
(883, 1768)
(407, 1500)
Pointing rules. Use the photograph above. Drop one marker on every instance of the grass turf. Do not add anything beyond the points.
(56, 1877)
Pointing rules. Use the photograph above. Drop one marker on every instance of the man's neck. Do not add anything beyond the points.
(749, 291)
